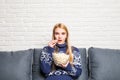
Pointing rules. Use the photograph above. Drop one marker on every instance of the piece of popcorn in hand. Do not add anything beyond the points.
(60, 58)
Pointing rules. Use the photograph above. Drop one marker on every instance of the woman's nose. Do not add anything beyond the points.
(60, 36)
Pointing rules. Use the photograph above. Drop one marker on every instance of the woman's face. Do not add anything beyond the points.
(60, 35)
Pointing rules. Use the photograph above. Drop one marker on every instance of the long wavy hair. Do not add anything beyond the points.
(69, 48)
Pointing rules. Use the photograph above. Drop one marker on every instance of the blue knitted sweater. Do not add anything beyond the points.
(68, 73)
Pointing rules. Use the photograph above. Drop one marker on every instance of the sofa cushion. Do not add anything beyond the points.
(37, 75)
(104, 64)
(84, 75)
(16, 65)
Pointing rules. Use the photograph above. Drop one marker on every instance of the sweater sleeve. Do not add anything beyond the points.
(75, 70)
(46, 59)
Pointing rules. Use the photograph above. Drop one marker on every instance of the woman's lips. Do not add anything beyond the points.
(59, 40)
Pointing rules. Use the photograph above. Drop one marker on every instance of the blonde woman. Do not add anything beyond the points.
(60, 44)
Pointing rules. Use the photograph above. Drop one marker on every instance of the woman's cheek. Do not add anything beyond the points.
(56, 37)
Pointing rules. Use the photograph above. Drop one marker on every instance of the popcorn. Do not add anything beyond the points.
(60, 58)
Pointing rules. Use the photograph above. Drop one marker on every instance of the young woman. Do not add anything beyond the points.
(60, 44)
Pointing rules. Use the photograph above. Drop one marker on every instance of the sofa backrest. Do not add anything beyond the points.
(37, 75)
(16, 65)
(97, 64)
(104, 64)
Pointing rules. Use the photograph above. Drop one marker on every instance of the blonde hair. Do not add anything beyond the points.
(69, 48)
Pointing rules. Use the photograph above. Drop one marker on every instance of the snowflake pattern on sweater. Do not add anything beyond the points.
(70, 71)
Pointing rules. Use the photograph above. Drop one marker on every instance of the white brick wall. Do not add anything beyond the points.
(28, 24)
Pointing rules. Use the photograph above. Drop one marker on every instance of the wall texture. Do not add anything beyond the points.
(28, 24)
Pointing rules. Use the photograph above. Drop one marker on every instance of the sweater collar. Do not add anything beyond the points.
(61, 45)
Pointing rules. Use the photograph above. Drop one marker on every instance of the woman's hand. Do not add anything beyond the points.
(63, 65)
(52, 43)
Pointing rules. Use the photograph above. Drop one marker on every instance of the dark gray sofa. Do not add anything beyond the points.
(97, 64)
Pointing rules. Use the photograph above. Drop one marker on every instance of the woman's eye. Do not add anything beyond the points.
(56, 33)
(63, 33)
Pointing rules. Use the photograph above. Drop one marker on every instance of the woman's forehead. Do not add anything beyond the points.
(60, 30)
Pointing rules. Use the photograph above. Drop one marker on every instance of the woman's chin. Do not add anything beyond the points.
(60, 42)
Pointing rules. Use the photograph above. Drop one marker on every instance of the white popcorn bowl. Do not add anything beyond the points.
(60, 58)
